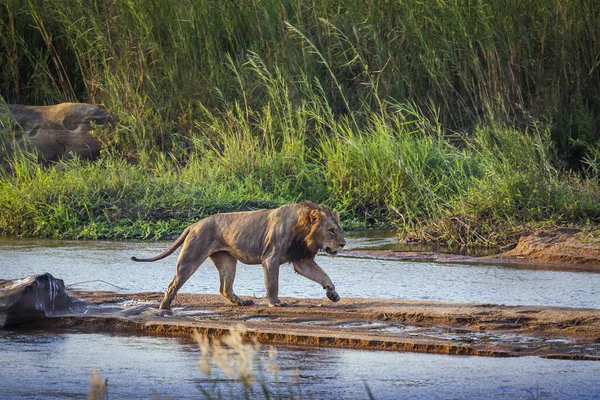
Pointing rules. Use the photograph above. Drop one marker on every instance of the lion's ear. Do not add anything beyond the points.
(316, 216)
(336, 215)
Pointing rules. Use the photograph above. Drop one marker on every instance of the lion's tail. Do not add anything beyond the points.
(169, 251)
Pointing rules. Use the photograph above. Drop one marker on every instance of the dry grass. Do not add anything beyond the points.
(240, 361)
(98, 389)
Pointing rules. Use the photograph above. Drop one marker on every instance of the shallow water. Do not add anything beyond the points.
(59, 364)
(105, 265)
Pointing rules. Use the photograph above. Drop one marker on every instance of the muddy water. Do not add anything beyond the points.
(106, 266)
(59, 365)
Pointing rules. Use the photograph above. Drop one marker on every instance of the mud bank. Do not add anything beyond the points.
(416, 326)
(564, 246)
(560, 248)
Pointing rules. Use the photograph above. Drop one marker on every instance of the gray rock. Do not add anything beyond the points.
(27, 299)
(58, 131)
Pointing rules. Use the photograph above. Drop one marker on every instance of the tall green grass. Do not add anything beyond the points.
(398, 171)
(464, 122)
(156, 67)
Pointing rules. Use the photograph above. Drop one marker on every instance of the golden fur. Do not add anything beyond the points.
(291, 233)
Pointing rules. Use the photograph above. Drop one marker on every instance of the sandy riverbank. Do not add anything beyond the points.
(399, 325)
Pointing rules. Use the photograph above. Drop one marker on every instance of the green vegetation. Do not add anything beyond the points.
(463, 122)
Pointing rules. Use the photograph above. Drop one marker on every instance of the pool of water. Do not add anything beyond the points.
(44, 365)
(105, 265)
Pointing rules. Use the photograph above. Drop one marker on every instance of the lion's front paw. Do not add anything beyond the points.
(244, 302)
(332, 295)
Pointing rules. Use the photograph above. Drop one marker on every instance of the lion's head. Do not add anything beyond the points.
(318, 228)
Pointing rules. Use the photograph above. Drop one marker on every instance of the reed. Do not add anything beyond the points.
(156, 67)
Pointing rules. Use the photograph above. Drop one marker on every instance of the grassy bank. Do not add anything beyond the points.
(453, 121)
(399, 173)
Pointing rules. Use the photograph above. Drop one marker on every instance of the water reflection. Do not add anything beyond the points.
(387, 240)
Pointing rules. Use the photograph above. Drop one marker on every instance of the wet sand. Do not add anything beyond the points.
(385, 324)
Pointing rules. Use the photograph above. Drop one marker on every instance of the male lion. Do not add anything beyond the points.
(292, 233)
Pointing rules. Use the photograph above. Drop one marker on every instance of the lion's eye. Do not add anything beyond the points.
(332, 231)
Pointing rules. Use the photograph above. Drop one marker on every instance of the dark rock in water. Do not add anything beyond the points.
(58, 131)
(27, 299)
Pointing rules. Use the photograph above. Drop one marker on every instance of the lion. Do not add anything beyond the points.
(293, 233)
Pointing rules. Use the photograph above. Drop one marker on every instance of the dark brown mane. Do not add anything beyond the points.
(303, 244)
(298, 250)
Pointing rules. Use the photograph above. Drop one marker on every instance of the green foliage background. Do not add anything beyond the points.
(460, 121)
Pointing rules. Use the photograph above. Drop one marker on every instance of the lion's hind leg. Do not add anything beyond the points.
(188, 262)
(226, 265)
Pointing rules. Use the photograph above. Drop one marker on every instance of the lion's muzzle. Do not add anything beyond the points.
(333, 251)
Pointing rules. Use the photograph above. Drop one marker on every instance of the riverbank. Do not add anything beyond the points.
(556, 248)
(384, 324)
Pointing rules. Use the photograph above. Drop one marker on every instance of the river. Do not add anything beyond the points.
(36, 364)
